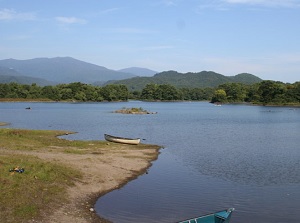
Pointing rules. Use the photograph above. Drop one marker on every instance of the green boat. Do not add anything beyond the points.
(217, 217)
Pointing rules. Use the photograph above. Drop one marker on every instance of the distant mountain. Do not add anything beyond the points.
(188, 80)
(9, 71)
(50, 71)
(25, 80)
(138, 71)
(8, 75)
(63, 70)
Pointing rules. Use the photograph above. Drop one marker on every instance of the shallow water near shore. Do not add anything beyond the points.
(214, 157)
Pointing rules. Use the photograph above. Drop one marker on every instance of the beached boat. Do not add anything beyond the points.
(217, 217)
(118, 139)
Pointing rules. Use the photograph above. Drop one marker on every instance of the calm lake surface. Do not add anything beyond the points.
(214, 157)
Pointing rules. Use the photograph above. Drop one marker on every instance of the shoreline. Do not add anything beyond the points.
(12, 100)
(104, 167)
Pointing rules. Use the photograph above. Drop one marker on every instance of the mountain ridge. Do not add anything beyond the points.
(45, 71)
(201, 79)
(138, 71)
(63, 70)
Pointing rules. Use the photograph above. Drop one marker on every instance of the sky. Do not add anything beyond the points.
(261, 37)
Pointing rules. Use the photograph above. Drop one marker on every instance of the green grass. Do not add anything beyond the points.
(21, 139)
(39, 189)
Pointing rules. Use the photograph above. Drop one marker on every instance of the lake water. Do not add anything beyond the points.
(214, 157)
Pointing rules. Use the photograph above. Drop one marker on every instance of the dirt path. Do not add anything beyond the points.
(103, 171)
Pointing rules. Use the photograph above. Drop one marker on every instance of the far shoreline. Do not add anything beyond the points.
(18, 100)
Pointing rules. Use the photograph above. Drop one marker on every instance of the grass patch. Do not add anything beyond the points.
(21, 139)
(38, 190)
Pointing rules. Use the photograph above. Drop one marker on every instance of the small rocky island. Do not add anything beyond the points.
(139, 111)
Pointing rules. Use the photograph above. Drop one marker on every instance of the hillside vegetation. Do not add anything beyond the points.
(188, 80)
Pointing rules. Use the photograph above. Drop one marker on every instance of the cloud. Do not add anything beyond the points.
(69, 20)
(110, 10)
(222, 5)
(154, 48)
(11, 14)
(128, 30)
(168, 3)
(266, 3)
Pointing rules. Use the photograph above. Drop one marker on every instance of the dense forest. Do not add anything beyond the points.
(265, 92)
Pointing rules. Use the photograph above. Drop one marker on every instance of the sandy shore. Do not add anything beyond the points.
(103, 171)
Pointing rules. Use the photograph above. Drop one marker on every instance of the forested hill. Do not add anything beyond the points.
(188, 80)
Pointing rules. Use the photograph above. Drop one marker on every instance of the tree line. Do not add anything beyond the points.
(65, 92)
(265, 92)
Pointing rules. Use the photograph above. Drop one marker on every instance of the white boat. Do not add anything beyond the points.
(118, 139)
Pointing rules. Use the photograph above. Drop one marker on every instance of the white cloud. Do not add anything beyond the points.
(106, 11)
(11, 14)
(70, 20)
(222, 5)
(154, 48)
(266, 3)
(169, 2)
(128, 30)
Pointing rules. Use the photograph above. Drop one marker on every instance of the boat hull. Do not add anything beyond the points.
(218, 217)
(123, 140)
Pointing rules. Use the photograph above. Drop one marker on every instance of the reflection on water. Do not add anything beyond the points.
(215, 157)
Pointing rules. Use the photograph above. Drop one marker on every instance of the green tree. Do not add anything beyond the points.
(51, 92)
(4, 90)
(252, 93)
(65, 93)
(114, 92)
(149, 92)
(235, 92)
(167, 92)
(270, 91)
(34, 91)
(219, 96)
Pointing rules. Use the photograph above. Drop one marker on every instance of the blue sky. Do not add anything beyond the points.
(261, 37)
